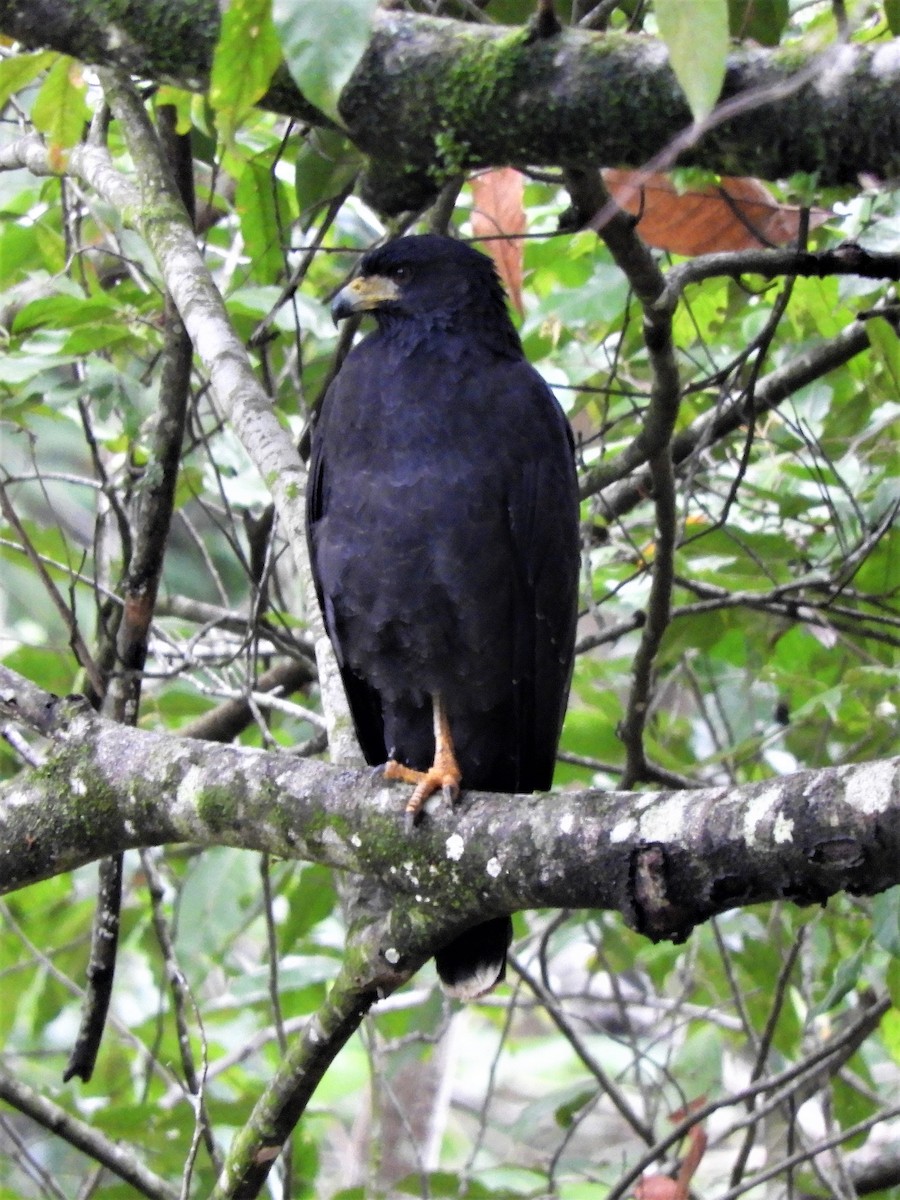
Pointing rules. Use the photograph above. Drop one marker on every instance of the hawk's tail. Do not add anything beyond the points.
(475, 962)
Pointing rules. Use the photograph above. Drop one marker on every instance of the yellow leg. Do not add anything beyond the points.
(443, 775)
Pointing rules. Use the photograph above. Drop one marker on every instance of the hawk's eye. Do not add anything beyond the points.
(399, 274)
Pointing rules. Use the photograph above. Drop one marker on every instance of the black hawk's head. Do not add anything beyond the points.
(430, 284)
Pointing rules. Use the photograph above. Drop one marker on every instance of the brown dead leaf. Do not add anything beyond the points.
(697, 1143)
(662, 1187)
(656, 1187)
(498, 210)
(735, 214)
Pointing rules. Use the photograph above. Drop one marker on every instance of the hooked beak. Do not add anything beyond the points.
(363, 294)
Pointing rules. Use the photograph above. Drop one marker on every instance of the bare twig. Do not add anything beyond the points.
(556, 1015)
(123, 1163)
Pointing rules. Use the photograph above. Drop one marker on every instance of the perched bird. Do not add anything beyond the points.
(442, 516)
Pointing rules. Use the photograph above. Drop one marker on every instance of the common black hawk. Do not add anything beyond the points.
(442, 515)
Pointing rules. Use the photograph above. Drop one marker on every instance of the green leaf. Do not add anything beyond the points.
(326, 164)
(886, 920)
(60, 110)
(890, 1033)
(566, 1113)
(886, 347)
(263, 233)
(761, 20)
(845, 978)
(61, 311)
(696, 34)
(18, 71)
(247, 55)
(323, 40)
(892, 12)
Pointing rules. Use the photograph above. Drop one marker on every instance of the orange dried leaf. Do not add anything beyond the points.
(656, 1187)
(498, 212)
(692, 1106)
(697, 1143)
(735, 214)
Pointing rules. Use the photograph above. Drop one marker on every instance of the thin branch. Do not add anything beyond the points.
(83, 656)
(765, 1045)
(771, 390)
(182, 1000)
(846, 259)
(555, 1013)
(121, 1162)
(779, 1087)
(144, 538)
(784, 1165)
(259, 1143)
(652, 444)
(659, 604)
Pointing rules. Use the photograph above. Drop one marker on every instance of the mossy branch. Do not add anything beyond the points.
(665, 860)
(433, 96)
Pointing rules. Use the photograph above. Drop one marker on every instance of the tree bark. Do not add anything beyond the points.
(439, 96)
(665, 860)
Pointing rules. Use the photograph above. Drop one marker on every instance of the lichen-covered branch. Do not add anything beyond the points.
(360, 983)
(433, 96)
(666, 860)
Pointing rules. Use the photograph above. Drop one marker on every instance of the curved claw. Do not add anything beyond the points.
(442, 776)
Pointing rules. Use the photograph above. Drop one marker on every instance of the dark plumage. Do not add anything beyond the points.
(443, 531)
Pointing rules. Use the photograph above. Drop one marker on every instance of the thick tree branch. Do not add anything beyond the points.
(284, 1101)
(652, 445)
(439, 96)
(666, 860)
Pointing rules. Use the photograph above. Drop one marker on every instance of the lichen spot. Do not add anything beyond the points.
(622, 831)
(455, 846)
(783, 829)
(567, 823)
(392, 955)
(493, 867)
(356, 840)
(757, 810)
(189, 785)
(868, 787)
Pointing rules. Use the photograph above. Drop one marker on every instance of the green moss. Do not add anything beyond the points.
(91, 805)
(473, 90)
(793, 56)
(166, 31)
(452, 157)
(217, 808)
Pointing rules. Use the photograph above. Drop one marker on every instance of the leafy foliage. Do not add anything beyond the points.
(685, 24)
(323, 40)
